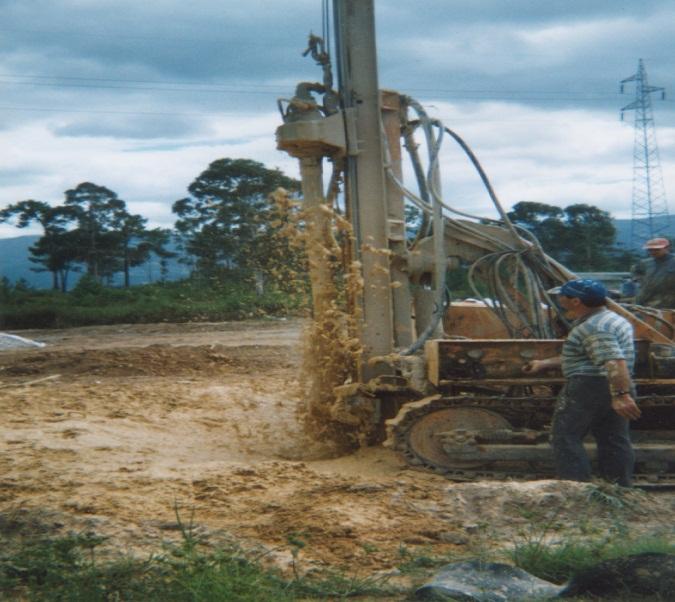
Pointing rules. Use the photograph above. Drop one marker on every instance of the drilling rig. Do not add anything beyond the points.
(447, 398)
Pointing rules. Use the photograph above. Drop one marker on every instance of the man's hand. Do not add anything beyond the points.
(625, 406)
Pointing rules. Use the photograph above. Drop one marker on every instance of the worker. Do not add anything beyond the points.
(656, 275)
(598, 396)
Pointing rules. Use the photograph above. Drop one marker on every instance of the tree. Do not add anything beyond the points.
(98, 211)
(580, 236)
(58, 252)
(277, 253)
(107, 239)
(218, 222)
(592, 233)
(135, 244)
(54, 250)
(155, 242)
(545, 222)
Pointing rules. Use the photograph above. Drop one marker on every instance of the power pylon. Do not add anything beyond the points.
(649, 210)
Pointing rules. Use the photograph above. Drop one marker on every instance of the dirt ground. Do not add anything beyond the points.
(112, 428)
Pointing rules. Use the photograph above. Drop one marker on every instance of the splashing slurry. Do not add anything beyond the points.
(331, 346)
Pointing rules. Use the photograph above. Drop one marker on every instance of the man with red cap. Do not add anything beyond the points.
(657, 275)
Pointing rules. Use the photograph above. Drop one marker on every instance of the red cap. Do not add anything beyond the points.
(657, 243)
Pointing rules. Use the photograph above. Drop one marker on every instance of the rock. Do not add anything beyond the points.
(480, 581)
(649, 574)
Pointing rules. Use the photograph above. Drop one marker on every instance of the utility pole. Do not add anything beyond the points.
(649, 209)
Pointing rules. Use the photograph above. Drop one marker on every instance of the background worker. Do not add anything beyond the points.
(656, 275)
(598, 396)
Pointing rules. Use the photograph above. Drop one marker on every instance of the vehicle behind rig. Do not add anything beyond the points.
(440, 382)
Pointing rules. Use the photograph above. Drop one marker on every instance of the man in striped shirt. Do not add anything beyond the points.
(598, 397)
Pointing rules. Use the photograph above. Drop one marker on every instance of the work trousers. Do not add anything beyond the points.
(585, 406)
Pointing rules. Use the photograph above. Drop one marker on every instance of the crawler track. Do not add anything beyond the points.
(522, 413)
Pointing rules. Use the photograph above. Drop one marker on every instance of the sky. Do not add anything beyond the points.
(142, 97)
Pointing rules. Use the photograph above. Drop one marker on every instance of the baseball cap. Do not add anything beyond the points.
(656, 243)
(585, 290)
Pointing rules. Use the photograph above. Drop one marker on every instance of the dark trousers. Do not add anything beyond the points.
(585, 406)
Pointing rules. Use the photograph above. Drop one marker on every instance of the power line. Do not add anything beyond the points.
(242, 90)
(529, 95)
(115, 36)
(142, 88)
(117, 112)
(219, 113)
(136, 81)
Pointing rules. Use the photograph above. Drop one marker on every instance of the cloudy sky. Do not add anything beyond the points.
(141, 97)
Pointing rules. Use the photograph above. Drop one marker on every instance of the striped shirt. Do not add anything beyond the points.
(595, 339)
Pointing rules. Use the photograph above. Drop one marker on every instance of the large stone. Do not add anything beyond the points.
(479, 581)
(649, 574)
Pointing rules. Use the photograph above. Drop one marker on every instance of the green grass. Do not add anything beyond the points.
(37, 565)
(421, 562)
(189, 300)
(556, 559)
(71, 568)
(556, 562)
(67, 568)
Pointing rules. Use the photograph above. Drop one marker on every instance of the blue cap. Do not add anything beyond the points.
(585, 290)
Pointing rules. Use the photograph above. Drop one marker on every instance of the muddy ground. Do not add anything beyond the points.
(112, 428)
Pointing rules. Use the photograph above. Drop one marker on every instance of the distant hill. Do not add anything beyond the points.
(14, 264)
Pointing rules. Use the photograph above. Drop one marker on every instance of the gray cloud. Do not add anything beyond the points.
(554, 53)
(200, 40)
(123, 126)
(22, 175)
(154, 80)
(208, 143)
(539, 53)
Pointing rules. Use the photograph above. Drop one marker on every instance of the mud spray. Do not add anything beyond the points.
(331, 347)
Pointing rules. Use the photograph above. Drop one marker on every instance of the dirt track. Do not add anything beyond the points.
(110, 428)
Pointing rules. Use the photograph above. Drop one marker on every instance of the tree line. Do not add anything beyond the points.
(580, 236)
(224, 222)
(227, 223)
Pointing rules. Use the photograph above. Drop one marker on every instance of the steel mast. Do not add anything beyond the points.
(649, 209)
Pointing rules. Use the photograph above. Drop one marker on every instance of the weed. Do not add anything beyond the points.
(188, 300)
(556, 561)
(297, 543)
(420, 561)
(43, 567)
(335, 585)
(369, 548)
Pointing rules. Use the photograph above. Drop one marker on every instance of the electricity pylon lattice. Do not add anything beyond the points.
(649, 210)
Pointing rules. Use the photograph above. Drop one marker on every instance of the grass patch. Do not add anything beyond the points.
(556, 560)
(422, 562)
(90, 303)
(71, 568)
(67, 568)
